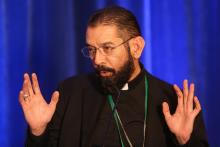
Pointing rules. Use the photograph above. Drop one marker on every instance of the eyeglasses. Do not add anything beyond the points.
(90, 51)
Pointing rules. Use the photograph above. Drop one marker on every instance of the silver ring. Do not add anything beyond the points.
(25, 96)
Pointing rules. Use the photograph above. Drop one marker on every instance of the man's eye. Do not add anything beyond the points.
(107, 48)
(91, 50)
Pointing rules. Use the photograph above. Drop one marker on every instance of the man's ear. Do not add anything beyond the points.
(137, 46)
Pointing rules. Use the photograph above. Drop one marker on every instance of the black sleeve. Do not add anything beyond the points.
(36, 141)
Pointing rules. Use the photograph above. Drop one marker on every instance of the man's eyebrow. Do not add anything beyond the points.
(102, 44)
(87, 44)
(107, 43)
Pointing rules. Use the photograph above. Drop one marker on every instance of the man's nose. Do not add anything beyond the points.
(99, 58)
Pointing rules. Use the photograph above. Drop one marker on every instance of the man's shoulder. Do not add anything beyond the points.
(78, 87)
(162, 91)
(79, 80)
(160, 86)
(155, 81)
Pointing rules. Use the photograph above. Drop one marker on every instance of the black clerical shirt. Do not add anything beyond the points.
(83, 116)
(130, 106)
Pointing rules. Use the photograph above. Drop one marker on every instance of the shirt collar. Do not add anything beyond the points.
(132, 84)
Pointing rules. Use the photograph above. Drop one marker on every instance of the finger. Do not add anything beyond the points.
(21, 98)
(197, 107)
(25, 88)
(190, 97)
(35, 84)
(179, 95)
(53, 101)
(185, 92)
(28, 85)
(166, 111)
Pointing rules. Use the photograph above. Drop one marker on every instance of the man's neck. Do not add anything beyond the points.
(137, 70)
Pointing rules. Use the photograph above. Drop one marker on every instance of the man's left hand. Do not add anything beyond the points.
(181, 122)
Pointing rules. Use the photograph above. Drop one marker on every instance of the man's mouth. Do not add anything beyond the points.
(105, 73)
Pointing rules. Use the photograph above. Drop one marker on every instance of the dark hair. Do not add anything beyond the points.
(122, 18)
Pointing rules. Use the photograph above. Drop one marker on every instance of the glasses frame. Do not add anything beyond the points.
(103, 53)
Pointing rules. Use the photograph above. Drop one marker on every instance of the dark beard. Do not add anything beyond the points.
(112, 84)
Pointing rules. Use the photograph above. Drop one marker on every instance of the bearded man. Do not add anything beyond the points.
(120, 104)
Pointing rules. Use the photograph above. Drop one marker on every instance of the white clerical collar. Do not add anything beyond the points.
(125, 87)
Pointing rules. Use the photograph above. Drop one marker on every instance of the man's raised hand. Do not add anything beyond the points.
(36, 110)
(182, 121)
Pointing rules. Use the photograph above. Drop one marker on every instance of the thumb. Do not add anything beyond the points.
(54, 100)
(166, 110)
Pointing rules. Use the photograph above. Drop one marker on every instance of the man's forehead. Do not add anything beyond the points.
(102, 33)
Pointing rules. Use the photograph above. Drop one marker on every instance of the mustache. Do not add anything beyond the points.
(100, 68)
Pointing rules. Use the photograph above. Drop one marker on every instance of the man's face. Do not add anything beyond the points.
(116, 68)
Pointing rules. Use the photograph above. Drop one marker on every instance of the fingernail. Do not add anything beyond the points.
(25, 75)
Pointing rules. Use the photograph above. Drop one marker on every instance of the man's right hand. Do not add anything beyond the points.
(36, 110)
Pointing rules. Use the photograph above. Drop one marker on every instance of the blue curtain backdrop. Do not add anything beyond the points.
(45, 36)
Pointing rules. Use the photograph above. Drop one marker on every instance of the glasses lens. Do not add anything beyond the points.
(85, 52)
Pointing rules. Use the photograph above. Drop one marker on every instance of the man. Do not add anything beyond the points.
(120, 104)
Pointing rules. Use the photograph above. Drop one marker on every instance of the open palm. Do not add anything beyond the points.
(36, 110)
(182, 121)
